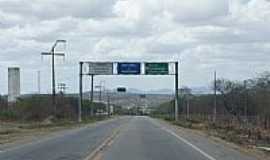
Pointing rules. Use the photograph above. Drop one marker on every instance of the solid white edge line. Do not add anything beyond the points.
(184, 140)
(190, 144)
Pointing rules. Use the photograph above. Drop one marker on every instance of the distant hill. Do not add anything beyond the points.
(201, 90)
(158, 91)
(195, 90)
(132, 99)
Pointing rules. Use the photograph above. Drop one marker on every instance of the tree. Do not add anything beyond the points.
(233, 96)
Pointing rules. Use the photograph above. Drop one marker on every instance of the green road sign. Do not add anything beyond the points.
(156, 68)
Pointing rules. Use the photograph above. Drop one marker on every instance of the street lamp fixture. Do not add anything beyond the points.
(58, 41)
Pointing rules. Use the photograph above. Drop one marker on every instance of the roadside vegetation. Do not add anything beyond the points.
(35, 114)
(243, 111)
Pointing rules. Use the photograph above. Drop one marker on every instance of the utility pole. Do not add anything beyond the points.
(215, 97)
(62, 87)
(100, 87)
(176, 92)
(53, 54)
(188, 108)
(100, 90)
(246, 97)
(92, 95)
(38, 82)
(80, 94)
(108, 103)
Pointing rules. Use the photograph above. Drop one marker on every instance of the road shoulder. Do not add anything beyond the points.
(41, 134)
(214, 144)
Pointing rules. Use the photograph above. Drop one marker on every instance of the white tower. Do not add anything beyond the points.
(14, 88)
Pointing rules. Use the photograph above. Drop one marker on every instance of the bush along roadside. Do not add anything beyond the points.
(39, 108)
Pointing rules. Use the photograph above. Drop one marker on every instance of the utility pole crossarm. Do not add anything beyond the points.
(50, 54)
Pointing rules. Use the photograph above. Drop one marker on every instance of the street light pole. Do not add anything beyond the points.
(53, 79)
(53, 54)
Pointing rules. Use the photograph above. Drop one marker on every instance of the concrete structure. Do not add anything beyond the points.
(14, 88)
(111, 109)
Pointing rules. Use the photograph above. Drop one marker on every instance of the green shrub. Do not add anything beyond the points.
(8, 115)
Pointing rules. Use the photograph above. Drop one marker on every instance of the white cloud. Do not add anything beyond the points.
(194, 11)
(51, 9)
(206, 34)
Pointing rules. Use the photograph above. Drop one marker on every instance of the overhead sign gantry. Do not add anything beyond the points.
(127, 68)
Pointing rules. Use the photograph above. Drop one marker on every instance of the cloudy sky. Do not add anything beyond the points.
(230, 36)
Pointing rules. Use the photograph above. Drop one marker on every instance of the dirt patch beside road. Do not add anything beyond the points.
(14, 132)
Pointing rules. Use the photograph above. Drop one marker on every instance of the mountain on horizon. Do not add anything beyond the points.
(194, 90)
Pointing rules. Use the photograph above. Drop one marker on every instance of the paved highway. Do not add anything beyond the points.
(147, 139)
(72, 145)
(139, 138)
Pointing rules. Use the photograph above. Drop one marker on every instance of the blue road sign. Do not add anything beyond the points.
(129, 68)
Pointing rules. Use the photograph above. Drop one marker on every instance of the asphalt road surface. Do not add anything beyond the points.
(144, 138)
(139, 138)
(72, 145)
